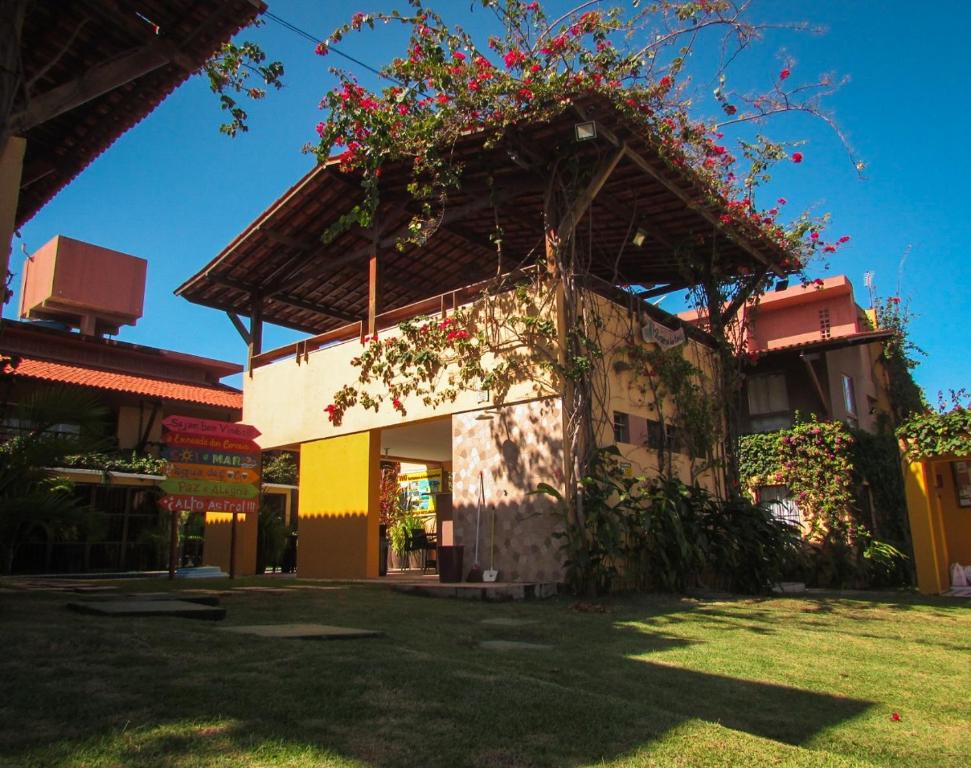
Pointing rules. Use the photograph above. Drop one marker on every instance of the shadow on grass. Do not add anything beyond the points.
(179, 693)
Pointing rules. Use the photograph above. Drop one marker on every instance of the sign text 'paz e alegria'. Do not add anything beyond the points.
(212, 467)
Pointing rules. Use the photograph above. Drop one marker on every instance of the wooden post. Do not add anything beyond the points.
(255, 345)
(173, 542)
(374, 291)
(123, 554)
(232, 548)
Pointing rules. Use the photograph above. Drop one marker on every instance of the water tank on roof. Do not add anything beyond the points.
(93, 288)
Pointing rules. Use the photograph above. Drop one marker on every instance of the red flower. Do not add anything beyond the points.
(844, 239)
(514, 57)
(442, 98)
(895, 717)
(814, 236)
(532, 6)
(535, 68)
(458, 55)
(525, 94)
(321, 127)
(730, 109)
(321, 49)
(829, 249)
(782, 201)
(797, 157)
(725, 218)
(396, 403)
(784, 74)
(665, 82)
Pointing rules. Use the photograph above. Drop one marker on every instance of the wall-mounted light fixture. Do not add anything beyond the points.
(585, 131)
(639, 237)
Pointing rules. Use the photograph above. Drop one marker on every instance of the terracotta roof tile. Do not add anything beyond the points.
(217, 395)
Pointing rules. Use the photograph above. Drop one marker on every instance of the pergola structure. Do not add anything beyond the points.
(644, 218)
(75, 76)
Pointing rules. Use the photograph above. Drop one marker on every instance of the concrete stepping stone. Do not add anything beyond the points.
(314, 586)
(303, 631)
(500, 621)
(178, 608)
(513, 645)
(263, 590)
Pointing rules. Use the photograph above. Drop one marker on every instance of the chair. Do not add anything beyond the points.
(419, 540)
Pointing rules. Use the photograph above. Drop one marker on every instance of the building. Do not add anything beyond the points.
(68, 285)
(497, 437)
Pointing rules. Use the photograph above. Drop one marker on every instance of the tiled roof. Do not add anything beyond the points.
(218, 395)
(835, 342)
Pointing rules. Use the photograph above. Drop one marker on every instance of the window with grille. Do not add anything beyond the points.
(782, 505)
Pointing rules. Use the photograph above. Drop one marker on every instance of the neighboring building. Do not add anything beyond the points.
(813, 350)
(810, 349)
(68, 284)
(638, 213)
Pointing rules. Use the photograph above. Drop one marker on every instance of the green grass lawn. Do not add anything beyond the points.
(652, 681)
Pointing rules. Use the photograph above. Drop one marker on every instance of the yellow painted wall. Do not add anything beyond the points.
(218, 535)
(941, 530)
(286, 400)
(339, 507)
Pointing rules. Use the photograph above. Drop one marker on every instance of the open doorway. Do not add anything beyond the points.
(416, 498)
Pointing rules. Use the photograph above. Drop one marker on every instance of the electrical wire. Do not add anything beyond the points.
(330, 48)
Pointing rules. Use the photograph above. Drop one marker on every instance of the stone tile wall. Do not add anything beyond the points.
(518, 448)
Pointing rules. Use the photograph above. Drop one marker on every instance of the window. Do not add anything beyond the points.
(669, 436)
(621, 427)
(768, 402)
(783, 507)
(849, 396)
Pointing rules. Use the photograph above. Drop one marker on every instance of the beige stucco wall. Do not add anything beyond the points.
(628, 393)
(286, 400)
(862, 364)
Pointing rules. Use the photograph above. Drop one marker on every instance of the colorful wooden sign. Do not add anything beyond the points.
(211, 443)
(176, 455)
(210, 427)
(205, 472)
(209, 488)
(189, 503)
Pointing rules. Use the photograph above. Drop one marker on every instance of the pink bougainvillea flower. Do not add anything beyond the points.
(782, 201)
(513, 57)
(814, 236)
(532, 6)
(844, 239)
(458, 55)
(321, 49)
(784, 74)
(797, 157)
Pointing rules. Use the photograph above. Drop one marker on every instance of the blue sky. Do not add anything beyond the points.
(174, 191)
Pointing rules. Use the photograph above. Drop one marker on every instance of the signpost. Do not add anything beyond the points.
(212, 466)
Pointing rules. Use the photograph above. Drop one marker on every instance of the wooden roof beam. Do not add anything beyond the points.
(651, 171)
(310, 306)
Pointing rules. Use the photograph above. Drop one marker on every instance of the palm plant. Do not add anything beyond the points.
(32, 497)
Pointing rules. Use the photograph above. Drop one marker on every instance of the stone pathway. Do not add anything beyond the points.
(303, 631)
(141, 607)
(513, 645)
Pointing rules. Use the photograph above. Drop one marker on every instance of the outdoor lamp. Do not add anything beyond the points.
(639, 237)
(585, 131)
